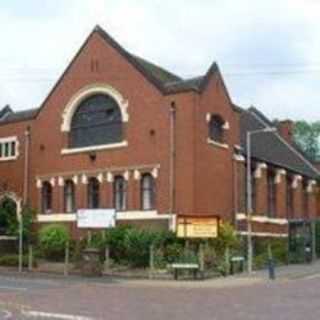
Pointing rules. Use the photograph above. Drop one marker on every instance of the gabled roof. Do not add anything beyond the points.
(165, 81)
(270, 147)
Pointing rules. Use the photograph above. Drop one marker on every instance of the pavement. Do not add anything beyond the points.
(294, 295)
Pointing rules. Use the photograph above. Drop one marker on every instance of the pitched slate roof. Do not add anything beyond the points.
(18, 116)
(160, 73)
(270, 147)
(165, 81)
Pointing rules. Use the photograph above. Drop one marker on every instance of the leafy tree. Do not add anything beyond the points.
(306, 136)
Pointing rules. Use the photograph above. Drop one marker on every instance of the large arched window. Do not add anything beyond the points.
(46, 201)
(147, 192)
(120, 193)
(97, 121)
(216, 129)
(69, 197)
(93, 193)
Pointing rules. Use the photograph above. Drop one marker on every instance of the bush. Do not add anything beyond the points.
(227, 239)
(279, 250)
(115, 239)
(173, 252)
(137, 245)
(53, 240)
(131, 246)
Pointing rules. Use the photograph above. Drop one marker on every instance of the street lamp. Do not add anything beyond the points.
(249, 191)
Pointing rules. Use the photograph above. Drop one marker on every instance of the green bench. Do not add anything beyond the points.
(176, 267)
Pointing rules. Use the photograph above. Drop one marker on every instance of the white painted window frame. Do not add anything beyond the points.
(9, 141)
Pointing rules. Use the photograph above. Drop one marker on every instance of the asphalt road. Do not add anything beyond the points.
(140, 300)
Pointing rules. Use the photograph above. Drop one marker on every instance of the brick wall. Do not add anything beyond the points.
(207, 178)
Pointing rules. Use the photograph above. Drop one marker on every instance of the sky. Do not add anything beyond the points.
(268, 51)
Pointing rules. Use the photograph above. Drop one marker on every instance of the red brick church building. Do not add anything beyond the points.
(117, 131)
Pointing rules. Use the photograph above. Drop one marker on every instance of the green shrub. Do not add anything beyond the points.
(173, 252)
(227, 238)
(115, 239)
(137, 245)
(279, 251)
(52, 240)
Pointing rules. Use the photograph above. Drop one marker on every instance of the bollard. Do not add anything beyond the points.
(151, 262)
(106, 259)
(30, 258)
(201, 261)
(66, 260)
(227, 261)
(271, 269)
(271, 265)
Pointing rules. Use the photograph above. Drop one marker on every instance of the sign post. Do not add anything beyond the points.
(94, 219)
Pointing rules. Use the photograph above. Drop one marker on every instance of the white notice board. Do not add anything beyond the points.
(96, 218)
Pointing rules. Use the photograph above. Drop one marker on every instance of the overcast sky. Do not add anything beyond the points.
(268, 51)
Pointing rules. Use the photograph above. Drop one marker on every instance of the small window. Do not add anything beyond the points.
(147, 192)
(13, 149)
(8, 148)
(289, 192)
(216, 129)
(93, 193)
(69, 197)
(46, 197)
(305, 198)
(120, 193)
(271, 193)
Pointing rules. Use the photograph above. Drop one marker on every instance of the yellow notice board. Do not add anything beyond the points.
(202, 227)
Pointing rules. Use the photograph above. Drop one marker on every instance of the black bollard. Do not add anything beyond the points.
(271, 269)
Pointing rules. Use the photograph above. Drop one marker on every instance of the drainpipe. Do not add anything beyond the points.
(26, 166)
(172, 156)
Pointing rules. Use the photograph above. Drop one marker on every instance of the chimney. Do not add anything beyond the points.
(286, 128)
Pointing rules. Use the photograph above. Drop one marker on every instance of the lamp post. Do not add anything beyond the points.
(249, 192)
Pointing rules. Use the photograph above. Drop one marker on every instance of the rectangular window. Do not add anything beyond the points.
(13, 149)
(8, 148)
(290, 212)
(271, 194)
(305, 199)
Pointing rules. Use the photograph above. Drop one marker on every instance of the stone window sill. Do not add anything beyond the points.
(95, 148)
(7, 159)
(217, 144)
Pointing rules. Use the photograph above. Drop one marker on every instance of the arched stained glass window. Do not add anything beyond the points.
(97, 121)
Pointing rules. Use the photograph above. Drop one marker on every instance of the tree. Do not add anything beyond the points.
(306, 136)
